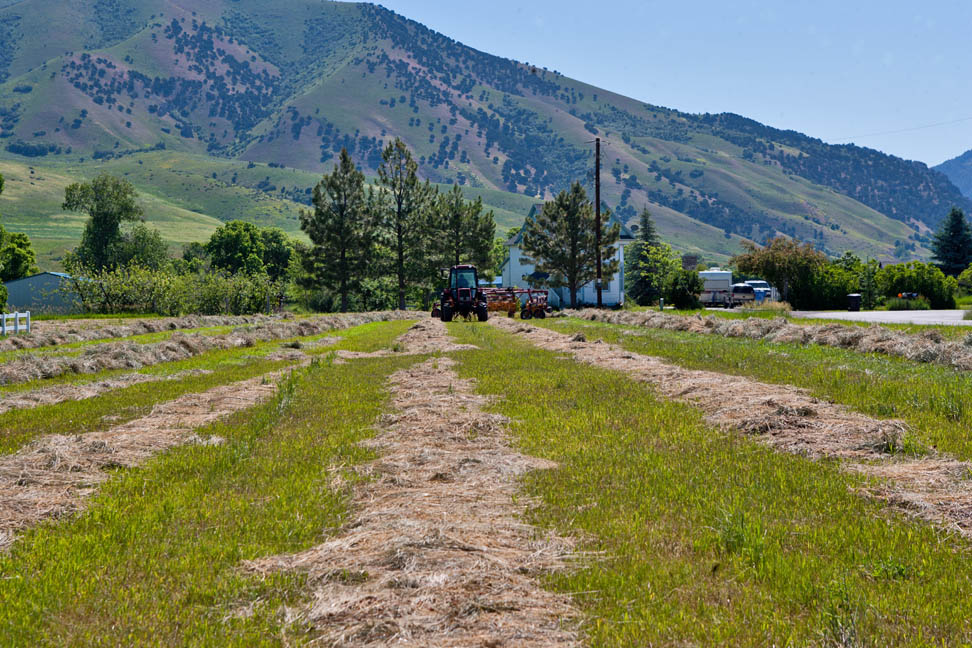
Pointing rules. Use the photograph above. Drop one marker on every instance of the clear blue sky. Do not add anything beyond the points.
(843, 71)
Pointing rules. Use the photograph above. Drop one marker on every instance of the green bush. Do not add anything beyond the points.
(897, 303)
(140, 290)
(682, 288)
(917, 277)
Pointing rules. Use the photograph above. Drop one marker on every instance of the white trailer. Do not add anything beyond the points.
(717, 287)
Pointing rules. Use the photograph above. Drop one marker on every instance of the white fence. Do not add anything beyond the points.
(11, 323)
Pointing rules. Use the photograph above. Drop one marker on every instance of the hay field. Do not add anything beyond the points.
(384, 479)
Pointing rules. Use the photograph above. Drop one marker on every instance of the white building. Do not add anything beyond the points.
(517, 274)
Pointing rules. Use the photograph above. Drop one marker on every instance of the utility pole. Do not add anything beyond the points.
(597, 215)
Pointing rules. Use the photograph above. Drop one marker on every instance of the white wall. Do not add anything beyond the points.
(611, 295)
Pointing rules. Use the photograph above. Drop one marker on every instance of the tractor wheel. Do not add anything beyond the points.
(446, 313)
(525, 314)
(436, 312)
(482, 314)
(511, 313)
(541, 314)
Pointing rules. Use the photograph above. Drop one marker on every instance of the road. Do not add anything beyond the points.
(948, 317)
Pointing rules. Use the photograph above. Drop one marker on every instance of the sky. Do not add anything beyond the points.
(892, 75)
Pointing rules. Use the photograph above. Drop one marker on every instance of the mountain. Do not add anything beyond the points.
(248, 98)
(959, 171)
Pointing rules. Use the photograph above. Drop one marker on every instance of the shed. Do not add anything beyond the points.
(46, 292)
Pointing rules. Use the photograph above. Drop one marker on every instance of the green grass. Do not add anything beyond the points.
(932, 399)
(156, 558)
(696, 536)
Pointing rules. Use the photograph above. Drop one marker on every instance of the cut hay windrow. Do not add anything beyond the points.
(48, 333)
(927, 346)
(936, 488)
(61, 393)
(130, 355)
(437, 553)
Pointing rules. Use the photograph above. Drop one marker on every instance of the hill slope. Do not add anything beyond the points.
(291, 82)
(959, 171)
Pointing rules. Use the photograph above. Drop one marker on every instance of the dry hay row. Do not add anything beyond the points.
(53, 476)
(46, 333)
(928, 346)
(436, 554)
(59, 393)
(130, 355)
(787, 418)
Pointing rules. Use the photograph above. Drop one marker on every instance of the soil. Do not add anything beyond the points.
(928, 346)
(437, 553)
(936, 488)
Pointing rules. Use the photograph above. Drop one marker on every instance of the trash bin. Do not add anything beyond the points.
(854, 302)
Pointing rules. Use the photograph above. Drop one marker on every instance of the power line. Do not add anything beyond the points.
(905, 130)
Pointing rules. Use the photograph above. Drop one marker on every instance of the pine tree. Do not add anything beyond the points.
(340, 229)
(466, 231)
(642, 284)
(560, 241)
(952, 248)
(407, 216)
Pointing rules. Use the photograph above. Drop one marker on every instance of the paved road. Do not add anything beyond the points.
(950, 317)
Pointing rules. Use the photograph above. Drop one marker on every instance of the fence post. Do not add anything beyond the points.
(3, 327)
(28, 321)
(16, 323)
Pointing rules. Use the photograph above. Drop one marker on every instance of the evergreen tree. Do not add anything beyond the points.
(560, 241)
(466, 231)
(952, 248)
(644, 284)
(406, 215)
(108, 201)
(339, 228)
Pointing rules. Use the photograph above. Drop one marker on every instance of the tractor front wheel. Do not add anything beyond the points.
(482, 314)
(526, 314)
(447, 313)
(541, 314)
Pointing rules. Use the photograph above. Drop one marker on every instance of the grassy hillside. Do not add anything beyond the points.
(112, 83)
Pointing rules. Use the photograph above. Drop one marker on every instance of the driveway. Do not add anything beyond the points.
(950, 317)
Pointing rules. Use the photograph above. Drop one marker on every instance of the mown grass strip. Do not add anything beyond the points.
(704, 537)
(932, 399)
(18, 427)
(155, 560)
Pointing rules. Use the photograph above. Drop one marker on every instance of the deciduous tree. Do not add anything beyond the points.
(783, 262)
(108, 201)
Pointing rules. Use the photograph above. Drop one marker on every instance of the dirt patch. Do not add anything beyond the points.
(928, 346)
(60, 393)
(52, 476)
(437, 554)
(935, 488)
(129, 355)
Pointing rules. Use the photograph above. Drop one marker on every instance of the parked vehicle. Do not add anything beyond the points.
(764, 291)
(742, 294)
(717, 288)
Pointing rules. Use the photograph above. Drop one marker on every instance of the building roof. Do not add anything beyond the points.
(626, 234)
(62, 275)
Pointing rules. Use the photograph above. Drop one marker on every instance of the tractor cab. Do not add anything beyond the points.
(462, 296)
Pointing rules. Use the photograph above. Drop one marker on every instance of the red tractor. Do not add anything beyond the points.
(462, 296)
